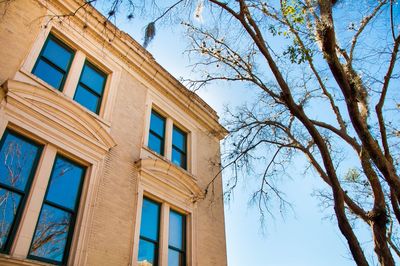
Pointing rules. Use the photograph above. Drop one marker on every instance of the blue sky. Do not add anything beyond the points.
(305, 236)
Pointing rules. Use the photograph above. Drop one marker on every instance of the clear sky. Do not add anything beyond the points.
(305, 236)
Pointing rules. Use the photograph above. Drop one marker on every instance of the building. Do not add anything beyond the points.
(104, 156)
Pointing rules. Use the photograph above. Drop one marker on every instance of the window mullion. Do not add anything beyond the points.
(72, 80)
(168, 138)
(164, 233)
(33, 206)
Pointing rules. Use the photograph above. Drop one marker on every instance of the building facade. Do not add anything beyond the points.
(104, 156)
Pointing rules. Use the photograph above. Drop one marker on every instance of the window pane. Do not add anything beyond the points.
(93, 79)
(9, 203)
(157, 124)
(179, 139)
(51, 234)
(87, 98)
(150, 218)
(65, 182)
(156, 144)
(17, 161)
(49, 74)
(176, 227)
(175, 258)
(147, 253)
(57, 54)
(178, 158)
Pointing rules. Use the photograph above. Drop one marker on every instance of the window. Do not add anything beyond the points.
(18, 161)
(52, 237)
(53, 63)
(90, 88)
(179, 147)
(176, 239)
(176, 139)
(157, 133)
(149, 233)
(55, 226)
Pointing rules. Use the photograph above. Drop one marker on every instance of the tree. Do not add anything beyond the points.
(315, 68)
(300, 56)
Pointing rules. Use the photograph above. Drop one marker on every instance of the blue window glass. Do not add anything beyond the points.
(157, 133)
(18, 161)
(53, 62)
(8, 207)
(66, 177)
(175, 258)
(51, 234)
(90, 88)
(179, 140)
(54, 229)
(176, 239)
(87, 98)
(149, 232)
(156, 144)
(147, 253)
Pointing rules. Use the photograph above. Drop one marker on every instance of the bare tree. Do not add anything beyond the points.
(322, 90)
(325, 88)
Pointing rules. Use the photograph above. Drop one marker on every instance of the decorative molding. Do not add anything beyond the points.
(160, 174)
(51, 110)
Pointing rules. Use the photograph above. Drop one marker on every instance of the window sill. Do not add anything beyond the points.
(34, 80)
(8, 260)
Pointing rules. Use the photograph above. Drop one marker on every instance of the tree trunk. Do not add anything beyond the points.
(382, 250)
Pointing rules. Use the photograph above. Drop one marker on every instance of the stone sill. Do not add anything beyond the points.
(9, 261)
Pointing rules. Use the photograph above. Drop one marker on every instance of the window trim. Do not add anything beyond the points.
(40, 56)
(74, 213)
(26, 194)
(103, 74)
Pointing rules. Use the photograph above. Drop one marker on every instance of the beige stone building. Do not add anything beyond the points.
(104, 156)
